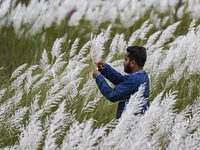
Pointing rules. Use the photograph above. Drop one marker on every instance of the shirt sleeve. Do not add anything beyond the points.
(120, 91)
(112, 75)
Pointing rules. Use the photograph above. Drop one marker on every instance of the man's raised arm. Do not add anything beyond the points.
(111, 74)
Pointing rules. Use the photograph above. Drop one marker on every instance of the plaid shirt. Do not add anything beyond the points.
(125, 86)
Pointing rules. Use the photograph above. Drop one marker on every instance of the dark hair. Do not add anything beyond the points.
(138, 54)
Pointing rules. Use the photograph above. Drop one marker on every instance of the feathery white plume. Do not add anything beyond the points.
(113, 48)
(83, 51)
(31, 135)
(44, 61)
(152, 39)
(166, 35)
(4, 8)
(58, 123)
(56, 49)
(59, 63)
(74, 47)
(4, 108)
(122, 44)
(97, 45)
(18, 71)
(2, 92)
(140, 33)
(18, 117)
(82, 136)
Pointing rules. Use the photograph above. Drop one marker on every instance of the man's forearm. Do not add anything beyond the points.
(103, 86)
(112, 75)
(111, 94)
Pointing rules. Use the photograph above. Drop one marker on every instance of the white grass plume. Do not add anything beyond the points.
(74, 47)
(72, 71)
(54, 69)
(2, 92)
(56, 49)
(157, 118)
(140, 33)
(91, 105)
(17, 119)
(185, 128)
(44, 79)
(191, 141)
(29, 80)
(12, 105)
(81, 8)
(82, 136)
(4, 108)
(35, 13)
(83, 52)
(44, 61)
(179, 132)
(166, 35)
(113, 48)
(165, 20)
(180, 11)
(182, 52)
(18, 71)
(152, 39)
(122, 44)
(32, 134)
(89, 88)
(18, 82)
(53, 98)
(127, 121)
(16, 99)
(58, 123)
(97, 45)
(4, 8)
(58, 65)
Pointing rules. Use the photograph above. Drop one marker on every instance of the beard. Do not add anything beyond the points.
(127, 68)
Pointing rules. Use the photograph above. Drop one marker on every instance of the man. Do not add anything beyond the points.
(125, 85)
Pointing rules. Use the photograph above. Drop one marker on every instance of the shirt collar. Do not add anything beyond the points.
(139, 71)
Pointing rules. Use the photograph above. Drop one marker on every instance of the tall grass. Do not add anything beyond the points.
(48, 98)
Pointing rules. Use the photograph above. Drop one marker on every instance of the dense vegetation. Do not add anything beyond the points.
(48, 98)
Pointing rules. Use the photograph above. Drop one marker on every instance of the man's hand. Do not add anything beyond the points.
(95, 73)
(101, 65)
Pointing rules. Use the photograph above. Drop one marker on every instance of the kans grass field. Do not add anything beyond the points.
(48, 50)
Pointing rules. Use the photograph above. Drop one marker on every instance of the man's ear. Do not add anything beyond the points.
(133, 63)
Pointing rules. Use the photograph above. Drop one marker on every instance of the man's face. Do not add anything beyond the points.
(127, 67)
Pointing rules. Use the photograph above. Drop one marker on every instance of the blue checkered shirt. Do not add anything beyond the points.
(125, 86)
